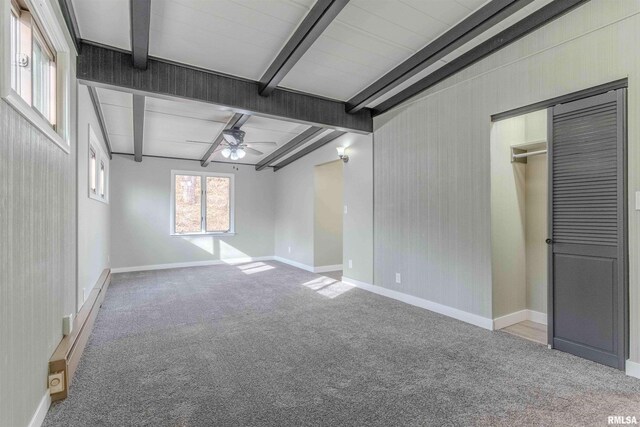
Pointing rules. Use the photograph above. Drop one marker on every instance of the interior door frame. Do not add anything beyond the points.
(622, 296)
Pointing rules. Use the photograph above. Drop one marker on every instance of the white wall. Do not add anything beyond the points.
(437, 147)
(94, 220)
(295, 206)
(536, 183)
(140, 212)
(508, 245)
(328, 202)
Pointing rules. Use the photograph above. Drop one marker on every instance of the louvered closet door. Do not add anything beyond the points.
(587, 225)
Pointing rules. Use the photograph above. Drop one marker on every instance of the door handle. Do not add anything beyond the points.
(548, 241)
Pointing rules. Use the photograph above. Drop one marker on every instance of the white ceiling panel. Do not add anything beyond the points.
(104, 21)
(368, 39)
(192, 109)
(235, 37)
(121, 143)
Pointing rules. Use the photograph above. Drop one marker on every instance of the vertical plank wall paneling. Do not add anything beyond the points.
(37, 260)
(435, 150)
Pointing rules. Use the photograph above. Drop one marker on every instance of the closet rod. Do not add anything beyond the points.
(529, 153)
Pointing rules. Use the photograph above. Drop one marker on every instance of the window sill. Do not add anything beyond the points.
(35, 119)
(229, 233)
(99, 199)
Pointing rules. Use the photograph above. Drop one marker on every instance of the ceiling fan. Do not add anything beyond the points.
(233, 147)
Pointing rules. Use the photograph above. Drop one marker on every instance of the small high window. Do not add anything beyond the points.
(98, 173)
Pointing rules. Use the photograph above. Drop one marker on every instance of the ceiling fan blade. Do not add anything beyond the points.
(261, 142)
(253, 151)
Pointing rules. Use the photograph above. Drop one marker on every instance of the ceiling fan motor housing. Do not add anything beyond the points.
(233, 136)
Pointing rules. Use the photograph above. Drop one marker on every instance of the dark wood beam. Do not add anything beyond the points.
(476, 23)
(296, 142)
(138, 126)
(103, 127)
(69, 15)
(140, 23)
(236, 121)
(317, 20)
(525, 26)
(308, 149)
(110, 67)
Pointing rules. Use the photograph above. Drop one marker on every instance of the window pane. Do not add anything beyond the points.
(102, 179)
(15, 37)
(40, 70)
(218, 213)
(92, 171)
(188, 204)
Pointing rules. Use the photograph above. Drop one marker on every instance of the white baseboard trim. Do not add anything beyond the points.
(519, 316)
(471, 318)
(327, 268)
(537, 316)
(510, 319)
(632, 369)
(190, 264)
(293, 263)
(41, 411)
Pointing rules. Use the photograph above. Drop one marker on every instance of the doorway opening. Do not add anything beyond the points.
(328, 218)
(519, 189)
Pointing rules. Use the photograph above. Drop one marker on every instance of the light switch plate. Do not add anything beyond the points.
(350, 264)
(638, 200)
(398, 278)
(345, 209)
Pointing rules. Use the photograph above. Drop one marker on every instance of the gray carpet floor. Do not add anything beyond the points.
(265, 344)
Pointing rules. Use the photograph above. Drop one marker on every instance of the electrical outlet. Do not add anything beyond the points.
(289, 249)
(350, 264)
(345, 209)
(398, 278)
(56, 382)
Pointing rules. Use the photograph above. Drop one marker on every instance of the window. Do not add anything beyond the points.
(201, 203)
(98, 173)
(33, 63)
(35, 74)
(102, 182)
(92, 171)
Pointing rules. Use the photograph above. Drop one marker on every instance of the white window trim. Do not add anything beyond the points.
(101, 157)
(44, 11)
(203, 175)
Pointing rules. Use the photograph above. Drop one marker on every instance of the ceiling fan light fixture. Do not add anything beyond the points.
(241, 153)
(226, 152)
(234, 155)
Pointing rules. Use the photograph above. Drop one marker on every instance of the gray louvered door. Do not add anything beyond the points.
(587, 256)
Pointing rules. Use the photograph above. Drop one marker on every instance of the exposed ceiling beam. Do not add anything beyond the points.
(112, 68)
(138, 126)
(69, 15)
(523, 27)
(476, 23)
(310, 148)
(236, 121)
(140, 24)
(317, 20)
(96, 106)
(296, 142)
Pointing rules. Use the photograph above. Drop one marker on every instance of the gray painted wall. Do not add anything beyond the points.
(295, 206)
(37, 260)
(328, 200)
(140, 213)
(432, 181)
(358, 221)
(94, 221)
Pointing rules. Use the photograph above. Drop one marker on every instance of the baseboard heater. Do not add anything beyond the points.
(65, 360)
